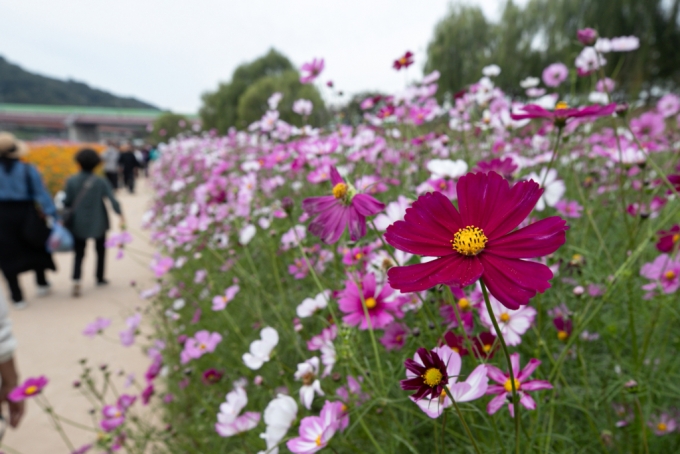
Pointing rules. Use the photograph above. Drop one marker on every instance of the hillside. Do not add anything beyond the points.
(19, 86)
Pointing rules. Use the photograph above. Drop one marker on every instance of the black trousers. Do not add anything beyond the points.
(13, 283)
(79, 249)
(113, 179)
(129, 179)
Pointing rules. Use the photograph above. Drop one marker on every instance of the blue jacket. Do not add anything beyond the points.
(13, 186)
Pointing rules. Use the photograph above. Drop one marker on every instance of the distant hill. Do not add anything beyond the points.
(18, 86)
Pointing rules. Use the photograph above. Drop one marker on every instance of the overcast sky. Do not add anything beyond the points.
(168, 52)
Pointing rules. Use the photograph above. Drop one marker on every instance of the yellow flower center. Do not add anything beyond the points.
(508, 385)
(561, 105)
(662, 427)
(463, 304)
(469, 241)
(669, 275)
(576, 257)
(505, 317)
(31, 390)
(399, 338)
(432, 377)
(487, 347)
(318, 440)
(358, 255)
(340, 190)
(562, 335)
(344, 408)
(403, 60)
(371, 302)
(202, 346)
(676, 237)
(308, 378)
(456, 349)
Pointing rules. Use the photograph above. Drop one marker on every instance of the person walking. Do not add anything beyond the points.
(128, 161)
(22, 247)
(8, 371)
(110, 157)
(85, 193)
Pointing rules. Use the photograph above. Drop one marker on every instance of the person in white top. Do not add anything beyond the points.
(8, 372)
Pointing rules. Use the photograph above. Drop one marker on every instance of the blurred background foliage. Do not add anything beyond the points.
(526, 40)
(243, 99)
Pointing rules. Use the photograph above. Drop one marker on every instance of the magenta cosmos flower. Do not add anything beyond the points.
(427, 375)
(404, 61)
(345, 207)
(351, 301)
(316, 431)
(563, 112)
(203, 342)
(477, 240)
(504, 387)
(31, 387)
(311, 70)
(668, 239)
(555, 74)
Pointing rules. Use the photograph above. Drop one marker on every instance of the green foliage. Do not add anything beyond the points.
(528, 39)
(224, 108)
(253, 104)
(22, 87)
(169, 125)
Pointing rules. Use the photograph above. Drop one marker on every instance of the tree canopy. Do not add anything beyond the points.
(526, 40)
(244, 99)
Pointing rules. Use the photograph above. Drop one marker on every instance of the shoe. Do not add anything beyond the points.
(20, 305)
(43, 290)
(76, 289)
(102, 283)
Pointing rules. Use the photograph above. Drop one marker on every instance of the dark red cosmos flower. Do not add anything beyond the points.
(563, 112)
(456, 343)
(478, 241)
(403, 62)
(564, 328)
(426, 374)
(212, 376)
(668, 238)
(484, 345)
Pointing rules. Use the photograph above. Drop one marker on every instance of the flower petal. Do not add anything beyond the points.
(535, 385)
(536, 240)
(528, 369)
(367, 205)
(495, 404)
(512, 281)
(452, 269)
(527, 401)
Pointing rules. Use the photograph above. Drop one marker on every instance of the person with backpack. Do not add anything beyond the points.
(25, 206)
(86, 216)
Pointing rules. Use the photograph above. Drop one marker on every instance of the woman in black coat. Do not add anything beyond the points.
(22, 248)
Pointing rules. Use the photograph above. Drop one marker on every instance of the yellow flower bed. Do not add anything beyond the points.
(55, 161)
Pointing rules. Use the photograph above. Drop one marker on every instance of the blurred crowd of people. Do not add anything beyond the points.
(123, 160)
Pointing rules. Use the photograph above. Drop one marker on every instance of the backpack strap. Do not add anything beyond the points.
(83, 190)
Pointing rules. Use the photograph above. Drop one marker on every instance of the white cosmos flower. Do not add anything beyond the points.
(491, 70)
(393, 212)
(246, 234)
(307, 373)
(229, 422)
(441, 168)
(260, 350)
(278, 416)
(554, 188)
(512, 323)
(311, 305)
(530, 82)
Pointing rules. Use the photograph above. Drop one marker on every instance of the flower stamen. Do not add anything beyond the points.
(508, 385)
(371, 302)
(340, 190)
(469, 241)
(432, 377)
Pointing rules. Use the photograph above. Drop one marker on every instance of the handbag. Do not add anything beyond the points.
(67, 213)
(60, 239)
(35, 230)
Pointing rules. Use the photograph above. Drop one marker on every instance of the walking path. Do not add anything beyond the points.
(50, 337)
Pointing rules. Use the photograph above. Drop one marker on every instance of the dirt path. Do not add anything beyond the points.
(51, 343)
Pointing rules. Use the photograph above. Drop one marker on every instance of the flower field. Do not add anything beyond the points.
(55, 161)
(479, 275)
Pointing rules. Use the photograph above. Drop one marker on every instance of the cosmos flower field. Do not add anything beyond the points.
(366, 289)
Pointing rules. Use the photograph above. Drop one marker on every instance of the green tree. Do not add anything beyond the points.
(169, 125)
(253, 103)
(220, 108)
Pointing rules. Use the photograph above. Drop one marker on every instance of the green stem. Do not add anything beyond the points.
(462, 420)
(499, 335)
(45, 406)
(554, 155)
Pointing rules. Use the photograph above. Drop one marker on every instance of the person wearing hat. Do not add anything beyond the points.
(21, 186)
(85, 194)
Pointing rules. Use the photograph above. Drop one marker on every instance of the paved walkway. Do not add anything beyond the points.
(51, 343)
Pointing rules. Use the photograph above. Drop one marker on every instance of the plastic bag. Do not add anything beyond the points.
(60, 239)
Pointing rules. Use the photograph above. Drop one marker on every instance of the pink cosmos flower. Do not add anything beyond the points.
(503, 389)
(664, 271)
(569, 208)
(648, 125)
(147, 393)
(351, 301)
(114, 416)
(30, 388)
(513, 323)
(668, 239)
(332, 213)
(662, 424)
(316, 431)
(478, 241)
(203, 342)
(220, 301)
(162, 265)
(668, 105)
(472, 388)
(586, 36)
(504, 167)
(394, 336)
(96, 327)
(555, 74)
(562, 112)
(127, 336)
(311, 70)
